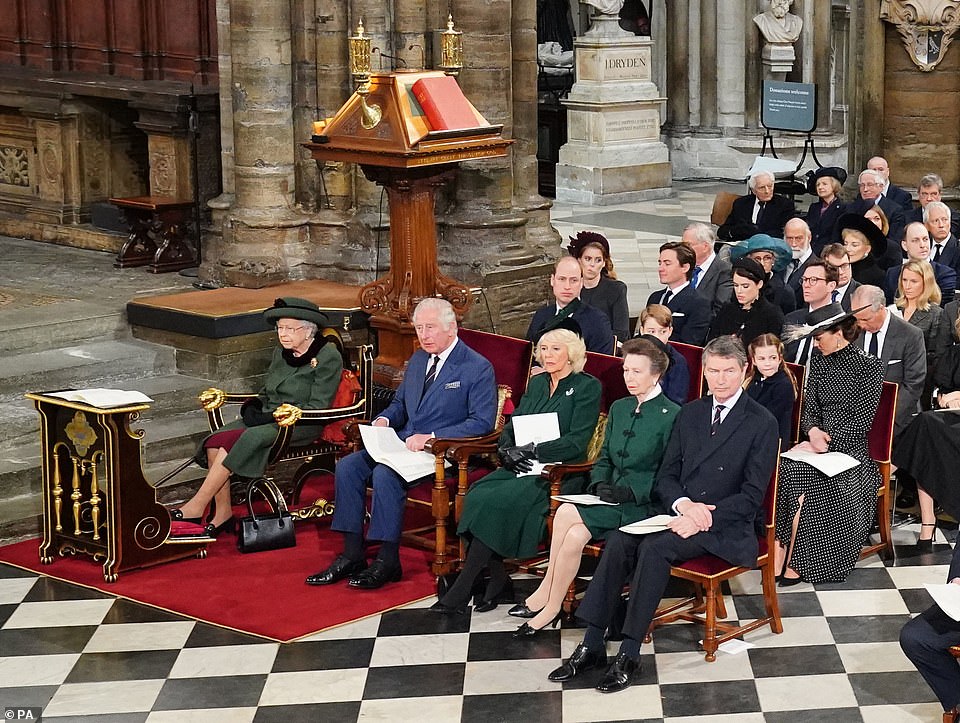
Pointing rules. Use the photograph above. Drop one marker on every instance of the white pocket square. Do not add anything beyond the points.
(452, 385)
(894, 361)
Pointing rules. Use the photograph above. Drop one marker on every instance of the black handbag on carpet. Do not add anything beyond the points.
(270, 531)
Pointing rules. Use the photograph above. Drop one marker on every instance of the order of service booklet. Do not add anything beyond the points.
(830, 463)
(102, 398)
(383, 444)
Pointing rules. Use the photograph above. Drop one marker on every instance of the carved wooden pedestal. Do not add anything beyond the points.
(156, 234)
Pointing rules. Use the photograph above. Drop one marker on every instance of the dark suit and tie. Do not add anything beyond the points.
(715, 284)
(904, 363)
(899, 196)
(792, 281)
(916, 215)
(948, 253)
(691, 313)
(925, 640)
(457, 399)
(771, 218)
(728, 465)
(843, 296)
(594, 325)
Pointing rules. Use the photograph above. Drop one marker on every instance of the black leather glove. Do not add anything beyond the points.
(615, 493)
(252, 413)
(518, 460)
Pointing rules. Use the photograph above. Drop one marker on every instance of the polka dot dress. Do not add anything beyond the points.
(842, 394)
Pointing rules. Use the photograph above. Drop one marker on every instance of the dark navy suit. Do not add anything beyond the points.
(950, 254)
(691, 314)
(925, 640)
(594, 326)
(462, 402)
(774, 216)
(916, 214)
(731, 470)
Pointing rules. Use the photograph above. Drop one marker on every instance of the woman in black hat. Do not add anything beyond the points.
(305, 371)
(865, 243)
(749, 314)
(601, 289)
(822, 521)
(825, 184)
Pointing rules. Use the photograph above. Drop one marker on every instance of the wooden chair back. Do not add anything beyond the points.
(722, 205)
(693, 355)
(880, 444)
(799, 372)
(510, 357)
(609, 370)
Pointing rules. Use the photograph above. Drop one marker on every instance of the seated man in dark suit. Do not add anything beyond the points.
(929, 190)
(760, 211)
(566, 281)
(879, 165)
(691, 312)
(819, 281)
(714, 475)
(448, 390)
(798, 237)
(925, 640)
(896, 343)
(712, 276)
(944, 248)
(916, 245)
(871, 185)
(837, 257)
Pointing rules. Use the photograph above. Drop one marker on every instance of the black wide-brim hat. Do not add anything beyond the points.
(878, 242)
(819, 321)
(292, 307)
(824, 172)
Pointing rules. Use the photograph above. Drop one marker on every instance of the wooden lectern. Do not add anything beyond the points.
(401, 153)
(96, 500)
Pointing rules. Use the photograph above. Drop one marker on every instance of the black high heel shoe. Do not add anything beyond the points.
(229, 524)
(528, 631)
(177, 515)
(926, 545)
(520, 610)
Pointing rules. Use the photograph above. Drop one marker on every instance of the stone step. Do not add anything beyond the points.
(84, 365)
(60, 325)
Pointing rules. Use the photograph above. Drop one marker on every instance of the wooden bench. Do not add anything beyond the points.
(156, 233)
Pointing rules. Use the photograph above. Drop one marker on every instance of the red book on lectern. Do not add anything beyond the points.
(444, 104)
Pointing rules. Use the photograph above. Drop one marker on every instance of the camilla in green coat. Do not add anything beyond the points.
(638, 428)
(304, 371)
(505, 513)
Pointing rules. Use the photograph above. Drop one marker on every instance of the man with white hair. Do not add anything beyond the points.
(871, 185)
(798, 237)
(760, 211)
(944, 247)
(878, 164)
(712, 276)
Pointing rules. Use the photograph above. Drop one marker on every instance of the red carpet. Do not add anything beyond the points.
(261, 593)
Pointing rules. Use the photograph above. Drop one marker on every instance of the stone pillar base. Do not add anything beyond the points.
(613, 152)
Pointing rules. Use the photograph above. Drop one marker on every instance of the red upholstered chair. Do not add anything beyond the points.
(693, 355)
(708, 573)
(880, 442)
(799, 372)
(511, 360)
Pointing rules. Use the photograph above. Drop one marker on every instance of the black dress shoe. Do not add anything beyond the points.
(520, 610)
(229, 524)
(504, 596)
(445, 582)
(583, 658)
(528, 631)
(376, 576)
(620, 675)
(178, 516)
(339, 569)
(439, 607)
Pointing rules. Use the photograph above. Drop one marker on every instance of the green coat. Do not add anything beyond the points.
(509, 513)
(305, 386)
(631, 454)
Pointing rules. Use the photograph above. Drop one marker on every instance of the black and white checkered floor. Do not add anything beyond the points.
(85, 656)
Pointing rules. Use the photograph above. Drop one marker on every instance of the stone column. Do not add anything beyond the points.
(821, 27)
(751, 71)
(866, 85)
(264, 236)
(678, 69)
(708, 67)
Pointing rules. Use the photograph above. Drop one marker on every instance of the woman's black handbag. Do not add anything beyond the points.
(270, 531)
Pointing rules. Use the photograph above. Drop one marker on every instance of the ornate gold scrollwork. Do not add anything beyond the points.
(319, 508)
(926, 27)
(287, 415)
(212, 398)
(80, 433)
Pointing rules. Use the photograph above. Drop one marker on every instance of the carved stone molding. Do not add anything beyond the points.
(926, 27)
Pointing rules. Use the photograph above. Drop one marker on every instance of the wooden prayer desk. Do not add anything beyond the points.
(96, 500)
(156, 233)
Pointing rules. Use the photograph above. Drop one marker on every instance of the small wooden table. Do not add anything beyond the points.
(96, 500)
(156, 233)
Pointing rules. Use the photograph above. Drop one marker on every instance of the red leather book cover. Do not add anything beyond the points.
(444, 104)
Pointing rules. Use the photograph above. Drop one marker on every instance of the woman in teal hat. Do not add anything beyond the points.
(773, 254)
(305, 371)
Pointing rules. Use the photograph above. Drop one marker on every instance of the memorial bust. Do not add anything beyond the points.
(778, 24)
(606, 7)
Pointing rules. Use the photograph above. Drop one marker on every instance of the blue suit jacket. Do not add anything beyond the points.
(945, 276)
(731, 470)
(691, 315)
(462, 402)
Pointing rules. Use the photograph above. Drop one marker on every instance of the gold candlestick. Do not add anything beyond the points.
(360, 45)
(451, 49)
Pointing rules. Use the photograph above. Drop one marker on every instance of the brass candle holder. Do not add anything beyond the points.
(360, 46)
(451, 49)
